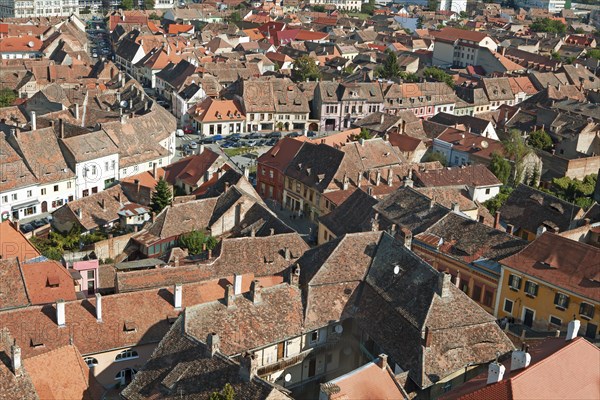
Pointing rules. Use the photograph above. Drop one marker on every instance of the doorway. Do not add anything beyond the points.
(312, 367)
(528, 317)
(590, 331)
(44, 206)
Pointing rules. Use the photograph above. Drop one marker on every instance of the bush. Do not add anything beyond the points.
(497, 201)
(436, 156)
(548, 25)
(196, 242)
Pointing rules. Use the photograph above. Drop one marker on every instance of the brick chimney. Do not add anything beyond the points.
(213, 342)
(255, 292)
(248, 366)
(229, 296)
(382, 361)
(444, 283)
(15, 358)
(294, 274)
(33, 121)
(497, 220)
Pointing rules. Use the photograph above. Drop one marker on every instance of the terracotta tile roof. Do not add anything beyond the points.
(211, 110)
(47, 282)
(175, 29)
(471, 143)
(11, 385)
(280, 155)
(353, 214)
(14, 172)
(475, 175)
(13, 292)
(570, 371)
(20, 44)
(13, 244)
(368, 382)
(90, 145)
(453, 34)
(562, 262)
(192, 169)
(310, 35)
(183, 366)
(62, 374)
(253, 34)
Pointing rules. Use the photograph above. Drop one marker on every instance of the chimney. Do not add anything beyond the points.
(271, 231)
(60, 312)
(378, 178)
(213, 342)
(247, 173)
(573, 329)
(79, 213)
(345, 182)
(408, 182)
(33, 121)
(14, 131)
(77, 111)
(177, 296)
(248, 366)
(362, 142)
(407, 238)
(497, 220)
(444, 283)
(375, 222)
(98, 307)
(370, 191)
(428, 337)
(61, 127)
(390, 177)
(510, 229)
(586, 221)
(381, 118)
(209, 256)
(15, 353)
(103, 204)
(253, 232)
(520, 359)
(495, 372)
(201, 149)
(382, 361)
(237, 284)
(455, 207)
(229, 296)
(386, 137)
(255, 292)
(286, 252)
(358, 179)
(294, 274)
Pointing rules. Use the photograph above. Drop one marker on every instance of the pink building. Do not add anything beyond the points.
(88, 282)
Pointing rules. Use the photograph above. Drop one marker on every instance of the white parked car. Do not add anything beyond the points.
(179, 133)
(193, 145)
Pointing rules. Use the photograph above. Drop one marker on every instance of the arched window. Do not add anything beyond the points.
(126, 355)
(90, 361)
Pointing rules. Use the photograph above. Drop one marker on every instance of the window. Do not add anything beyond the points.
(13, 196)
(561, 301)
(314, 336)
(29, 193)
(86, 192)
(508, 306)
(5, 199)
(56, 188)
(126, 355)
(531, 288)
(476, 293)
(271, 173)
(586, 310)
(488, 298)
(263, 171)
(555, 321)
(90, 361)
(487, 191)
(69, 185)
(514, 282)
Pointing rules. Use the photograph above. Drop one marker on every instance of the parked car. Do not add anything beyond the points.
(272, 142)
(251, 143)
(255, 135)
(26, 228)
(179, 133)
(227, 145)
(235, 137)
(293, 134)
(193, 145)
(311, 134)
(188, 130)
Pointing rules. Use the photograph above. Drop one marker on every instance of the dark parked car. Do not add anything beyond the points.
(26, 228)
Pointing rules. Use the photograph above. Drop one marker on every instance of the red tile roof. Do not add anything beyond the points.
(453, 34)
(13, 244)
(47, 282)
(280, 155)
(176, 29)
(563, 262)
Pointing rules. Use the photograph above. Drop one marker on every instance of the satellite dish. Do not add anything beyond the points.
(396, 270)
(31, 44)
(484, 144)
(339, 329)
(339, 68)
(124, 104)
(288, 377)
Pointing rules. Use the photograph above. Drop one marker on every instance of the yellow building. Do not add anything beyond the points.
(550, 282)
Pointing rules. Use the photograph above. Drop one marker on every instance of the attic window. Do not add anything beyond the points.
(557, 207)
(171, 319)
(297, 101)
(52, 281)
(372, 92)
(36, 341)
(129, 326)
(269, 258)
(299, 165)
(308, 171)
(537, 198)
(321, 177)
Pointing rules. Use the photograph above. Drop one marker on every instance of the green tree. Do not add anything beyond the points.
(318, 8)
(154, 16)
(196, 242)
(390, 68)
(227, 393)
(535, 176)
(368, 8)
(497, 201)
(161, 197)
(539, 139)
(500, 167)
(516, 149)
(234, 17)
(548, 25)
(593, 53)
(126, 4)
(305, 68)
(7, 97)
(409, 77)
(574, 190)
(148, 4)
(364, 134)
(438, 75)
(436, 156)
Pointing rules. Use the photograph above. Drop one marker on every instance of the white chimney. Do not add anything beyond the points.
(60, 312)
(98, 307)
(177, 294)
(33, 121)
(519, 359)
(237, 284)
(573, 329)
(495, 372)
(16, 359)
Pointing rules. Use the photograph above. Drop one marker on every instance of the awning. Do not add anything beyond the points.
(23, 205)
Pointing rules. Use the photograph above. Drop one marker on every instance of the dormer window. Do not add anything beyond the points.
(129, 326)
(52, 281)
(126, 355)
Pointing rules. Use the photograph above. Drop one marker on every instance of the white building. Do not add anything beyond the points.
(351, 5)
(459, 47)
(38, 8)
(553, 6)
(457, 6)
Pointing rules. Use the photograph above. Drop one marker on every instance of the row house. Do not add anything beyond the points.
(274, 103)
(271, 165)
(145, 70)
(551, 282)
(460, 47)
(218, 117)
(424, 99)
(194, 90)
(338, 105)
(469, 251)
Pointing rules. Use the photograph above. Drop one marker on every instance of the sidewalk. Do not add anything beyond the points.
(305, 227)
